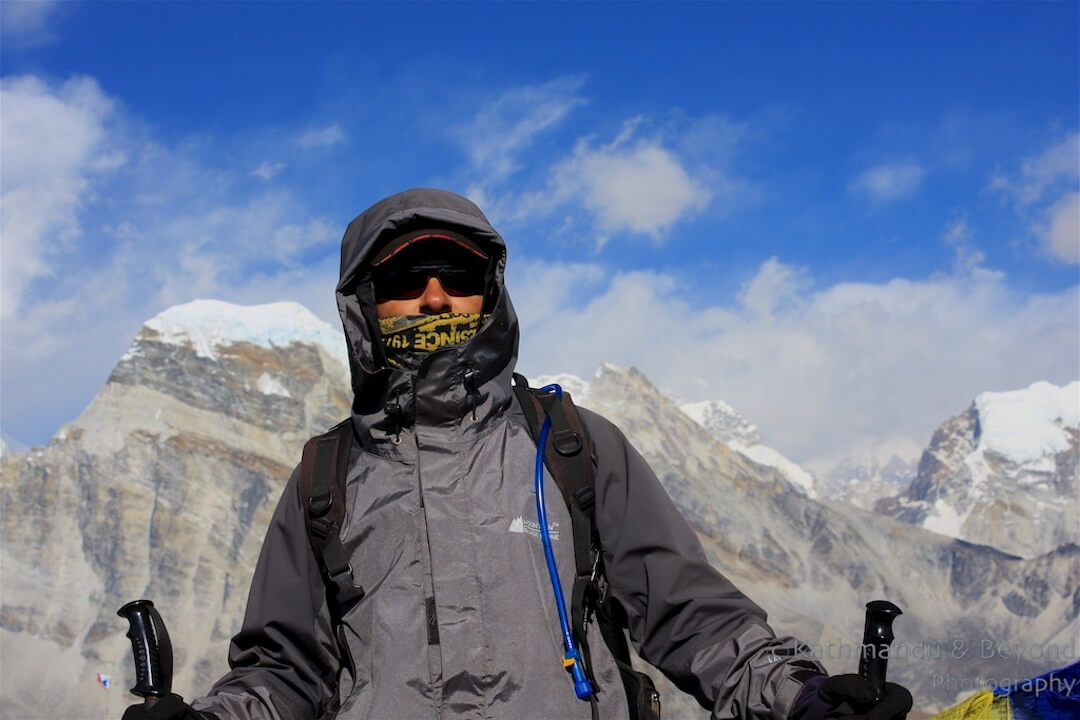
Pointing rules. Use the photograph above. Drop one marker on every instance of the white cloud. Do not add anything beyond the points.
(124, 240)
(1041, 173)
(258, 229)
(26, 23)
(508, 125)
(889, 181)
(1045, 191)
(532, 282)
(775, 286)
(632, 184)
(638, 187)
(819, 370)
(715, 138)
(321, 137)
(967, 257)
(1060, 230)
(629, 185)
(54, 140)
(268, 170)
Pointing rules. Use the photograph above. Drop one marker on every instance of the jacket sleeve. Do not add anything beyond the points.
(283, 660)
(684, 616)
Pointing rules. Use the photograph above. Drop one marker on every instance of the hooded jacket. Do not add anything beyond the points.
(458, 619)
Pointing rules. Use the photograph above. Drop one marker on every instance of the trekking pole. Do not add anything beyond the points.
(152, 649)
(877, 636)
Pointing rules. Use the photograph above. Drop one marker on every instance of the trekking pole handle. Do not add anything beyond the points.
(151, 648)
(877, 636)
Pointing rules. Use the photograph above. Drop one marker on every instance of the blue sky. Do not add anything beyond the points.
(844, 219)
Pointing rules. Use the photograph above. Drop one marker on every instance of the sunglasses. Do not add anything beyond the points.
(409, 283)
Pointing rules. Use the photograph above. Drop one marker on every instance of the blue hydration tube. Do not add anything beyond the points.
(572, 656)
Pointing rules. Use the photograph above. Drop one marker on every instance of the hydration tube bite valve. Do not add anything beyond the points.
(572, 656)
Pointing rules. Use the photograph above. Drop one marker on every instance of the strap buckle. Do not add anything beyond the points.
(319, 505)
(592, 589)
(566, 442)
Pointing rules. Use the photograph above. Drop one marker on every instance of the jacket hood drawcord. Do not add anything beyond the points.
(398, 414)
(395, 413)
(472, 393)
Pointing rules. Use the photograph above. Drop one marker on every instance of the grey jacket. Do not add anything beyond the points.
(458, 619)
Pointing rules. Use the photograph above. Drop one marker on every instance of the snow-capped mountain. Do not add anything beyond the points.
(1003, 473)
(578, 388)
(720, 420)
(161, 488)
(812, 564)
(164, 485)
(732, 429)
(207, 325)
(868, 473)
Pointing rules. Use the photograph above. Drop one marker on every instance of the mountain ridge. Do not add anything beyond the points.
(163, 487)
(1005, 472)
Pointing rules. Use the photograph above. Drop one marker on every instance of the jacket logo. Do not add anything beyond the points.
(528, 527)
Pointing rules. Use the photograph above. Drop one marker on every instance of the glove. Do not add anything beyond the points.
(850, 697)
(170, 707)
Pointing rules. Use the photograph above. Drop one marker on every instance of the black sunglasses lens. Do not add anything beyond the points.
(457, 281)
(404, 285)
(410, 283)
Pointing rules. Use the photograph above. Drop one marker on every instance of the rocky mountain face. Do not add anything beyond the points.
(861, 477)
(813, 565)
(863, 480)
(163, 488)
(1005, 473)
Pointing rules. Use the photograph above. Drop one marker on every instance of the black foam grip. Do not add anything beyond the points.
(877, 636)
(151, 648)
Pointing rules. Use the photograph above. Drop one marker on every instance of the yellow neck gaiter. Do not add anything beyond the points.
(408, 338)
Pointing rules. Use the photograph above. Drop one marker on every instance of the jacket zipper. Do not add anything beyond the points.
(430, 609)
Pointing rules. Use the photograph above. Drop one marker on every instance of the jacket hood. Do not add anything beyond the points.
(455, 387)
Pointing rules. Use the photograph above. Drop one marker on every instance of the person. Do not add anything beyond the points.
(457, 617)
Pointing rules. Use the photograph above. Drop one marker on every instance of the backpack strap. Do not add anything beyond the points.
(574, 473)
(323, 469)
(572, 467)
